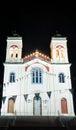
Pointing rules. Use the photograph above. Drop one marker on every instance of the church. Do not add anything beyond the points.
(37, 84)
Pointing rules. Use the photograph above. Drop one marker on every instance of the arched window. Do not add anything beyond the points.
(64, 105)
(11, 105)
(13, 52)
(57, 53)
(61, 78)
(36, 75)
(16, 55)
(62, 53)
(16, 52)
(12, 77)
(11, 55)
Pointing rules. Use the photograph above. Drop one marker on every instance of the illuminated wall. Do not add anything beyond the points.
(37, 84)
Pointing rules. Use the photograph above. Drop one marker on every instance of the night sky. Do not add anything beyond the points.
(36, 23)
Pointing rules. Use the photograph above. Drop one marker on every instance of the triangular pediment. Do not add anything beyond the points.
(36, 54)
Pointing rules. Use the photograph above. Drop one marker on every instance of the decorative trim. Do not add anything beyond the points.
(47, 68)
(49, 94)
(3, 99)
(25, 96)
(72, 91)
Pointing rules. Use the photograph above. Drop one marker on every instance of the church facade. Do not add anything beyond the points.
(37, 85)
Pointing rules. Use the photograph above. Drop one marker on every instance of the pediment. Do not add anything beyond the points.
(35, 55)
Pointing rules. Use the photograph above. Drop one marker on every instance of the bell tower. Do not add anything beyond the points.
(14, 49)
(58, 49)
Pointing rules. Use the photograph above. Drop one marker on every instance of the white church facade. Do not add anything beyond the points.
(37, 85)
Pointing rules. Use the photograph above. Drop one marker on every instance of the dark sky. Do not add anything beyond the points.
(37, 23)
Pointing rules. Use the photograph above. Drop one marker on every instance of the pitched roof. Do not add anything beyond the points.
(36, 54)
